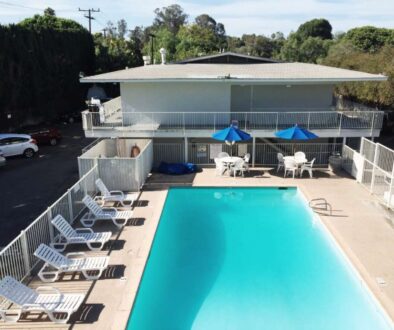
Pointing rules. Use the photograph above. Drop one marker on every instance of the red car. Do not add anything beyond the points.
(46, 136)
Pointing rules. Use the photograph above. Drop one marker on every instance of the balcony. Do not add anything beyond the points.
(326, 122)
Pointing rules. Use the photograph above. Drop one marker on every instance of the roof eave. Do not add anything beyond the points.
(232, 80)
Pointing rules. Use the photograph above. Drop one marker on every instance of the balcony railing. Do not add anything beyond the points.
(156, 121)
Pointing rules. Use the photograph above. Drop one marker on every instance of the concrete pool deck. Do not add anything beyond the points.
(359, 224)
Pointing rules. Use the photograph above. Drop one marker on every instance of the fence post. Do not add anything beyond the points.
(391, 189)
(70, 205)
(375, 160)
(254, 151)
(340, 124)
(277, 120)
(214, 122)
(246, 120)
(186, 151)
(372, 123)
(25, 252)
(51, 232)
(309, 119)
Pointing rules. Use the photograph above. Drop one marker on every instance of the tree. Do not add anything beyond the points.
(370, 38)
(205, 21)
(316, 28)
(122, 28)
(345, 55)
(50, 21)
(49, 12)
(171, 17)
(195, 40)
(111, 30)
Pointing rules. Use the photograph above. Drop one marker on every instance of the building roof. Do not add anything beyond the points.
(229, 58)
(258, 73)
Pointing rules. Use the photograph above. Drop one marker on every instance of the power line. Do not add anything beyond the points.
(9, 4)
(89, 15)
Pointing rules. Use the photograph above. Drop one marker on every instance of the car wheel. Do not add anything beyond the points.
(28, 153)
(53, 142)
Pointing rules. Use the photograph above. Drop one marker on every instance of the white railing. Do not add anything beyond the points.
(17, 258)
(153, 121)
(265, 154)
(373, 167)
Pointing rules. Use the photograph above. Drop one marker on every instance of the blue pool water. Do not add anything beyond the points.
(247, 258)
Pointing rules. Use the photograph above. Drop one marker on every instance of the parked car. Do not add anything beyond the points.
(71, 117)
(18, 144)
(45, 135)
(2, 159)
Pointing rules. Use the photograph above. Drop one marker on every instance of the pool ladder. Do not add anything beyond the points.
(320, 205)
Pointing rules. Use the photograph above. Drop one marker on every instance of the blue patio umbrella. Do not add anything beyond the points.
(230, 135)
(296, 133)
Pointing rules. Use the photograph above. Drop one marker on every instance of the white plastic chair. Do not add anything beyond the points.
(281, 162)
(223, 154)
(238, 166)
(307, 167)
(246, 160)
(300, 157)
(46, 299)
(69, 235)
(290, 167)
(56, 263)
(96, 212)
(220, 167)
(111, 196)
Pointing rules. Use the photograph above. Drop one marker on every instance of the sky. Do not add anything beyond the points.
(238, 16)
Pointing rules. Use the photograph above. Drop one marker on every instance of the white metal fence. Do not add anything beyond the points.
(17, 258)
(265, 154)
(373, 167)
(119, 173)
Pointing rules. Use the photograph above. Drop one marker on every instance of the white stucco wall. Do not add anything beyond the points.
(270, 97)
(214, 97)
(169, 96)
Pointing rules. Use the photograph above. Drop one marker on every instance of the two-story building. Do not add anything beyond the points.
(180, 105)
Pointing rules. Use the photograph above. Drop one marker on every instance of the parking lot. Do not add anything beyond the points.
(29, 186)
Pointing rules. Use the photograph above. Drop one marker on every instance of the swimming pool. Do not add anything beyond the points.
(248, 258)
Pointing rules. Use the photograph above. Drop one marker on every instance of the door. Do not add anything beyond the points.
(6, 147)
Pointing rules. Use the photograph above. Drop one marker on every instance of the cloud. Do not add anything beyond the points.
(250, 16)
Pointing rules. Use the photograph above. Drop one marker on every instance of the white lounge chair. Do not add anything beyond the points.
(290, 167)
(96, 212)
(46, 299)
(112, 195)
(56, 263)
(307, 167)
(69, 235)
(238, 166)
(281, 162)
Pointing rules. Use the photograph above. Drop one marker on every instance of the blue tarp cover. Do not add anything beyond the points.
(177, 168)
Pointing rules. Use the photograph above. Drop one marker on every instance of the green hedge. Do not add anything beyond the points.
(39, 72)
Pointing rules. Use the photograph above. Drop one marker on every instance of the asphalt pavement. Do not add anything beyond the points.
(29, 186)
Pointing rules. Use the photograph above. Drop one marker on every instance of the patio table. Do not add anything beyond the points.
(299, 162)
(228, 162)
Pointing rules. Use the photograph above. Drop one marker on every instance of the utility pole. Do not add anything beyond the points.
(152, 37)
(105, 32)
(89, 15)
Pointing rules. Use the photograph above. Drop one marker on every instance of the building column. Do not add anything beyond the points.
(344, 141)
(253, 151)
(186, 149)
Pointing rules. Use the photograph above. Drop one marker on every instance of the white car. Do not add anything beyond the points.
(18, 144)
